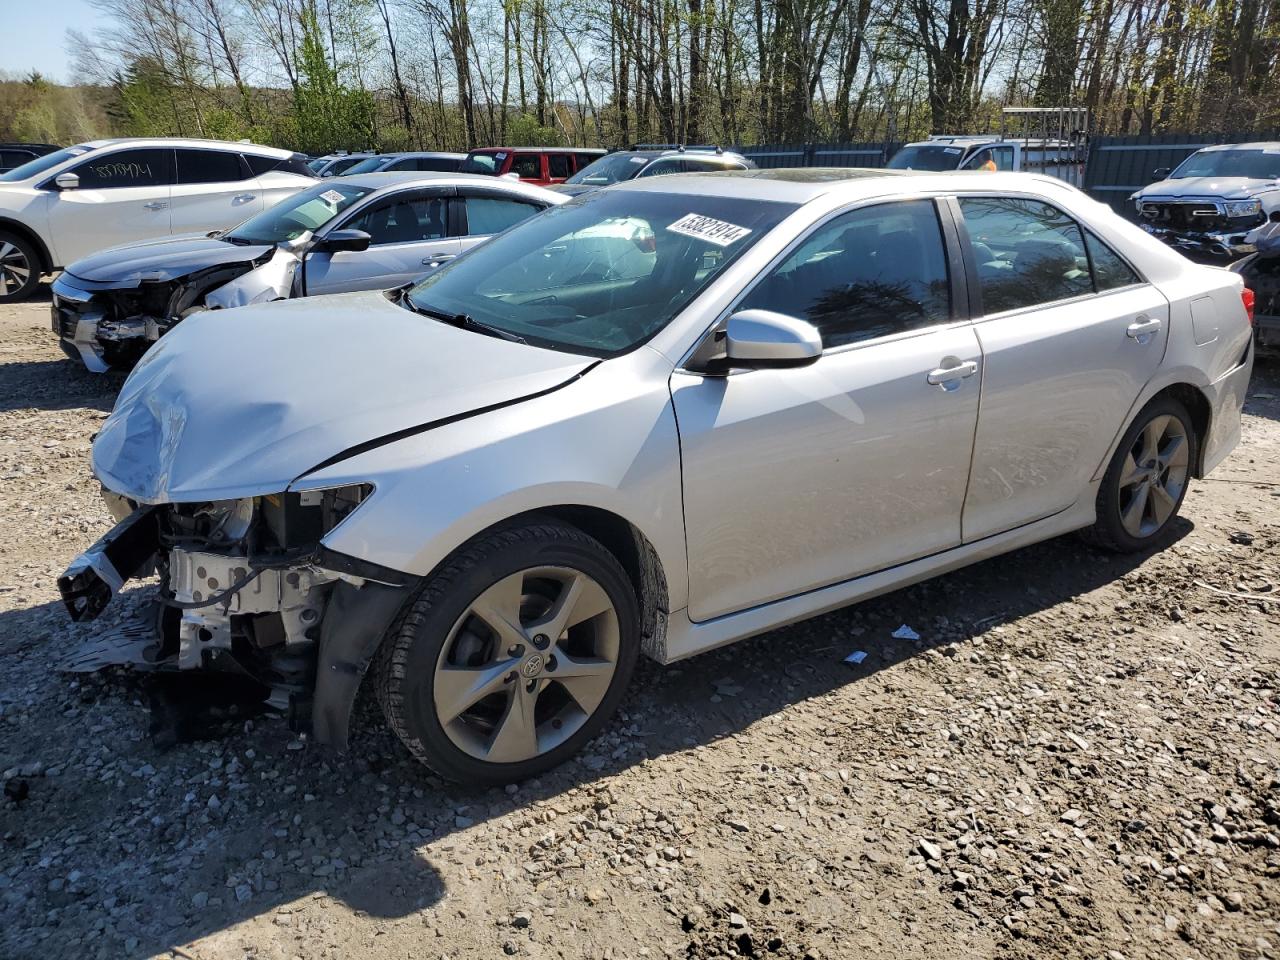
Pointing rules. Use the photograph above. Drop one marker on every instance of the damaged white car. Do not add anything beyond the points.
(656, 419)
(368, 232)
(1216, 203)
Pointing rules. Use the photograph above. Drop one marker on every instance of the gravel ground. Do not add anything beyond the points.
(1078, 758)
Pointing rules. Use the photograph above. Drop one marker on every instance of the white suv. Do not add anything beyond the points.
(77, 201)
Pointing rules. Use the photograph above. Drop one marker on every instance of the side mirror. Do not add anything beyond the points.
(339, 240)
(1161, 172)
(66, 181)
(762, 338)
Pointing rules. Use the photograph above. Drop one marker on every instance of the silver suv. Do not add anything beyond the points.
(656, 419)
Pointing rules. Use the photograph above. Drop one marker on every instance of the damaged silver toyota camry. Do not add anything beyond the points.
(656, 420)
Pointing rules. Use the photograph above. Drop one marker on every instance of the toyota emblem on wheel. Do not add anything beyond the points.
(533, 666)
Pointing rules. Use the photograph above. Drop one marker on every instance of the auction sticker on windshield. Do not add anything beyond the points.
(333, 196)
(706, 228)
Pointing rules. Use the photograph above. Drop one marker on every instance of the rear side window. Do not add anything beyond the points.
(527, 165)
(1028, 253)
(868, 273)
(209, 166)
(558, 166)
(1109, 271)
(127, 168)
(489, 215)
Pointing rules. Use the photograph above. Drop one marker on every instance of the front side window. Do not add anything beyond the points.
(528, 166)
(1028, 253)
(490, 215)
(868, 273)
(126, 168)
(290, 218)
(209, 166)
(600, 275)
(405, 219)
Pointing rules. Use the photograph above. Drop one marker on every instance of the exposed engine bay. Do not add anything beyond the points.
(244, 584)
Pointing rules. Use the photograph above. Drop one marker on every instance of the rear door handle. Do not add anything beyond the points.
(952, 374)
(427, 261)
(1143, 327)
(156, 205)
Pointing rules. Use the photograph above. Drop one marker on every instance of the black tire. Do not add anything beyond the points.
(404, 672)
(20, 268)
(1108, 530)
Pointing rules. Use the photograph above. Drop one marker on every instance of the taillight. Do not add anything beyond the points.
(1248, 299)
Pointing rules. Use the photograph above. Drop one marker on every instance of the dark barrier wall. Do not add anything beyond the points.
(1118, 166)
(774, 155)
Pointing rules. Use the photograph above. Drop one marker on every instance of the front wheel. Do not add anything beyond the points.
(512, 656)
(19, 268)
(1147, 479)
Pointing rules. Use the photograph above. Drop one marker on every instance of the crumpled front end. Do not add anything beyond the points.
(1213, 228)
(110, 324)
(246, 586)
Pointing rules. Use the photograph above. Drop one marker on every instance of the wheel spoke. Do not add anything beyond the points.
(1151, 435)
(1130, 473)
(586, 679)
(6, 248)
(1136, 511)
(1174, 453)
(580, 599)
(1162, 504)
(457, 688)
(517, 735)
(499, 607)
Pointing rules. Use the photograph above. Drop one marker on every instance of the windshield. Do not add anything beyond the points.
(486, 163)
(600, 275)
(614, 168)
(927, 157)
(290, 218)
(1254, 164)
(316, 163)
(371, 165)
(33, 168)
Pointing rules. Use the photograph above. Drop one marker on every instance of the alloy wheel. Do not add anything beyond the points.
(15, 269)
(527, 664)
(1154, 476)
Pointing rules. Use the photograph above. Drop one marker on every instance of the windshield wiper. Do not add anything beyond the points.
(463, 321)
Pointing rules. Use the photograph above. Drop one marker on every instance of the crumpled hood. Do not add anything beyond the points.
(1227, 188)
(170, 258)
(240, 403)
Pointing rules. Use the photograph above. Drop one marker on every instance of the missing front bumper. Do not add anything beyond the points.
(95, 576)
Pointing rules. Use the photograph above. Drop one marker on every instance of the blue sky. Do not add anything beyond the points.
(35, 34)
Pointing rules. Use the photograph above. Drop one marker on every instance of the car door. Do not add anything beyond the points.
(1070, 333)
(409, 231)
(798, 478)
(485, 213)
(123, 197)
(212, 190)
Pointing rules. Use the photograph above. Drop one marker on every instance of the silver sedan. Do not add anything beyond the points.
(655, 420)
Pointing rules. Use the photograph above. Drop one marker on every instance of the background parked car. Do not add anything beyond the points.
(73, 202)
(425, 161)
(16, 154)
(651, 161)
(366, 232)
(335, 164)
(542, 166)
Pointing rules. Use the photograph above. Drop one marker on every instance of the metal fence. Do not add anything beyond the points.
(774, 155)
(1117, 166)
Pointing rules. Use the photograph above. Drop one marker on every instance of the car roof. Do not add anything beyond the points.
(599, 150)
(190, 142)
(401, 178)
(800, 185)
(433, 154)
(1269, 146)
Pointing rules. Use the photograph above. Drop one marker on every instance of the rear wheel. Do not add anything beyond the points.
(19, 268)
(513, 655)
(1147, 478)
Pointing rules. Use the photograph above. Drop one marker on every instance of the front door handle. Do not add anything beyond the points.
(243, 198)
(427, 261)
(1143, 329)
(949, 377)
(156, 205)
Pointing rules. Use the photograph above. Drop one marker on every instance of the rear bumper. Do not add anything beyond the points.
(1226, 401)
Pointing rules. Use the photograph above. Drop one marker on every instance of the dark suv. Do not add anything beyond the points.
(651, 160)
(14, 155)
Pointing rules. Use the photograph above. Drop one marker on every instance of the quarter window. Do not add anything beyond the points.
(489, 215)
(868, 273)
(527, 165)
(558, 166)
(1028, 253)
(209, 166)
(403, 220)
(127, 168)
(1109, 271)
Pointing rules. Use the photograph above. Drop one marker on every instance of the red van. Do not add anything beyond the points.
(541, 166)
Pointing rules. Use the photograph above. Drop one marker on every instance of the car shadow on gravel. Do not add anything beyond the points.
(198, 838)
(56, 385)
(1263, 396)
